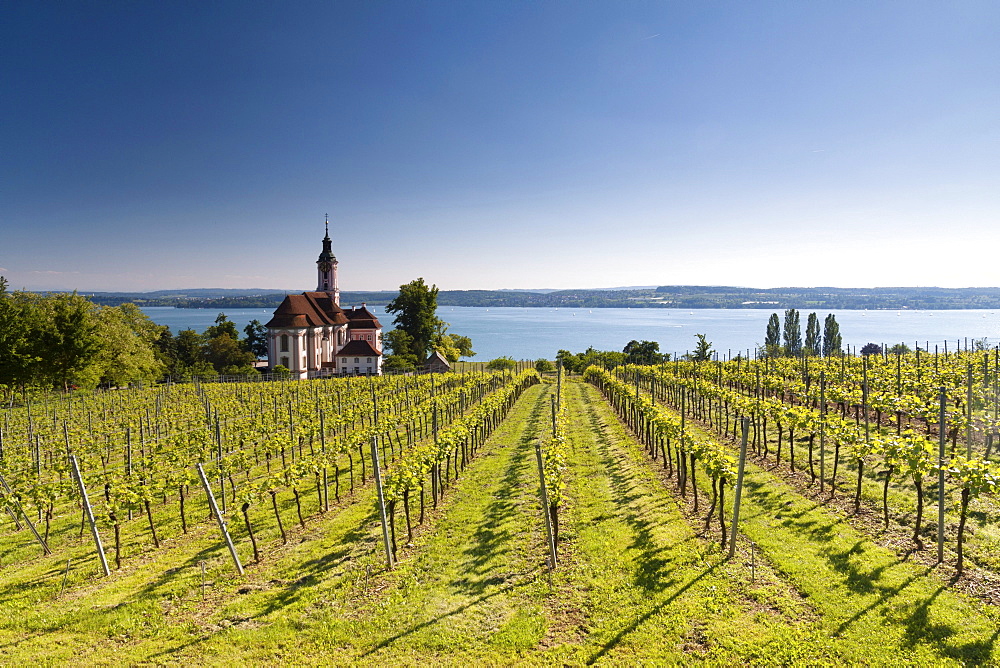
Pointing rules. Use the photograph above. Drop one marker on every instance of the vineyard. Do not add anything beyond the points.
(838, 510)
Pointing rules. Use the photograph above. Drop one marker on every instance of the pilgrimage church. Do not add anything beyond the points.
(313, 337)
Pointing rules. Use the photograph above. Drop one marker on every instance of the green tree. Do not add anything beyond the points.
(228, 356)
(128, 346)
(772, 340)
(792, 333)
(415, 308)
(67, 341)
(189, 357)
(814, 339)
(501, 363)
(223, 325)
(702, 349)
(256, 341)
(569, 361)
(642, 352)
(401, 359)
(544, 366)
(832, 341)
(871, 349)
(452, 346)
(16, 357)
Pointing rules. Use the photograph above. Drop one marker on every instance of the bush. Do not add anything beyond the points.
(544, 366)
(501, 364)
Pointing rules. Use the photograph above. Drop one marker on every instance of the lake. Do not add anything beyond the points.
(533, 333)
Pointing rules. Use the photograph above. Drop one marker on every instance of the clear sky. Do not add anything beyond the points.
(507, 144)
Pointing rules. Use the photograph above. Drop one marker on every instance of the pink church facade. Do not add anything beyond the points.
(313, 337)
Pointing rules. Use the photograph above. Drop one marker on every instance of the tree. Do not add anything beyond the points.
(871, 349)
(452, 346)
(900, 349)
(256, 341)
(443, 344)
(702, 350)
(128, 346)
(832, 341)
(568, 360)
(223, 325)
(401, 359)
(189, 359)
(227, 356)
(642, 352)
(399, 363)
(415, 307)
(15, 349)
(792, 333)
(814, 339)
(544, 366)
(501, 364)
(67, 340)
(464, 345)
(772, 340)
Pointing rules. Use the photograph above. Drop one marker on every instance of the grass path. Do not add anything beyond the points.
(644, 586)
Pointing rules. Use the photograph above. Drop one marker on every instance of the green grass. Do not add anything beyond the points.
(875, 605)
(637, 582)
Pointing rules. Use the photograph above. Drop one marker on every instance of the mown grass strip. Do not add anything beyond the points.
(875, 606)
(641, 585)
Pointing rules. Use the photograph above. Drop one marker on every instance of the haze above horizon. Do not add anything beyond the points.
(152, 146)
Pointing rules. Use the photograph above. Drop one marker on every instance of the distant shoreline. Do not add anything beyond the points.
(664, 297)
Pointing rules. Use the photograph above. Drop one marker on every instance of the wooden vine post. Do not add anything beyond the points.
(941, 438)
(90, 515)
(543, 493)
(822, 430)
(377, 473)
(18, 507)
(222, 520)
(738, 496)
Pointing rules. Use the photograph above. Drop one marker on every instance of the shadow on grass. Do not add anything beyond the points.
(861, 582)
(491, 538)
(634, 503)
(422, 625)
(636, 623)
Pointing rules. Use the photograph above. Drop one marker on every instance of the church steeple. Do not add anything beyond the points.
(327, 268)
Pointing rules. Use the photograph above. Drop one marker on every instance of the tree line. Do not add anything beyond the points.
(786, 341)
(63, 340)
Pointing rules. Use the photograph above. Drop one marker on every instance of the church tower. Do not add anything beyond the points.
(327, 268)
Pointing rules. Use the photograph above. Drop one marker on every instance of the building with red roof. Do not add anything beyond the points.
(312, 336)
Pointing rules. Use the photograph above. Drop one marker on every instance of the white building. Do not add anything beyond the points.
(312, 336)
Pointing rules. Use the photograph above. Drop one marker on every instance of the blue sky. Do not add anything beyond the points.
(148, 145)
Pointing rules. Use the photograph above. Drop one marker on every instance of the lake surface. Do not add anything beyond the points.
(533, 333)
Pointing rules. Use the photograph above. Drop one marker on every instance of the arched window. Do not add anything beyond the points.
(284, 343)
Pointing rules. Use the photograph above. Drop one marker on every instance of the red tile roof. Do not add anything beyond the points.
(310, 309)
(358, 349)
(361, 318)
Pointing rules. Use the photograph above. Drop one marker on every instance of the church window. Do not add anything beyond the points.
(356, 360)
(284, 343)
(284, 362)
(368, 359)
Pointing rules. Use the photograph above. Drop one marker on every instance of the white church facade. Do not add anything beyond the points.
(313, 337)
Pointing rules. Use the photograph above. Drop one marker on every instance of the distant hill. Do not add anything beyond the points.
(666, 296)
